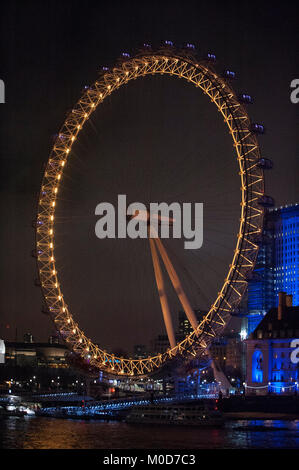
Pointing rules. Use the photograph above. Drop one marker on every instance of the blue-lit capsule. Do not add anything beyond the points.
(211, 57)
(245, 98)
(229, 74)
(265, 163)
(257, 128)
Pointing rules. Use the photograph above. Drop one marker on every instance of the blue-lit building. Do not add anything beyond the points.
(277, 267)
(272, 352)
(286, 244)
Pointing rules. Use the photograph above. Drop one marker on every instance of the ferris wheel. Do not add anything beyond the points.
(200, 73)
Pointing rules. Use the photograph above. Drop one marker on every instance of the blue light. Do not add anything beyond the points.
(211, 56)
(245, 98)
(257, 367)
(229, 74)
(287, 253)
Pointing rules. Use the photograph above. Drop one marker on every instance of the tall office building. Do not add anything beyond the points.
(286, 241)
(277, 267)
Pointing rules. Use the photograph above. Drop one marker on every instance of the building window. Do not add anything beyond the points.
(257, 367)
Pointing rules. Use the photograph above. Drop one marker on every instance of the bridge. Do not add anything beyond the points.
(110, 408)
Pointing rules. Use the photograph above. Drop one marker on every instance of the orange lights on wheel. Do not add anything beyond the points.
(198, 75)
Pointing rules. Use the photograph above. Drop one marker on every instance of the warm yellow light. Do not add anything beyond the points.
(191, 73)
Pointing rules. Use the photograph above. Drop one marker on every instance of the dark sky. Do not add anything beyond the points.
(49, 51)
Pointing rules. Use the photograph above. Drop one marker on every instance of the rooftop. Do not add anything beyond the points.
(272, 327)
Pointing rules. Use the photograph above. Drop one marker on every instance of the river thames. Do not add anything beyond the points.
(51, 433)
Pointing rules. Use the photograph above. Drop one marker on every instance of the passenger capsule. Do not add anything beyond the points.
(266, 201)
(257, 128)
(265, 163)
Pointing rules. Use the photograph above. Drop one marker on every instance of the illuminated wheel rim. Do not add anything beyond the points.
(201, 74)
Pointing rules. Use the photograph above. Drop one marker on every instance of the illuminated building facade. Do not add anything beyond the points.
(273, 351)
(228, 354)
(35, 355)
(286, 237)
(277, 267)
(185, 327)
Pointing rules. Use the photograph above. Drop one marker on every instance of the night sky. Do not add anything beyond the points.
(155, 139)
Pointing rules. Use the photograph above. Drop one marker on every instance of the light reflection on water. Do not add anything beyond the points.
(50, 433)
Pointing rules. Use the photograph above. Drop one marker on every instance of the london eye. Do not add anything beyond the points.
(200, 73)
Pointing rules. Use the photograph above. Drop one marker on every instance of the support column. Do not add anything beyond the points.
(177, 284)
(162, 295)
